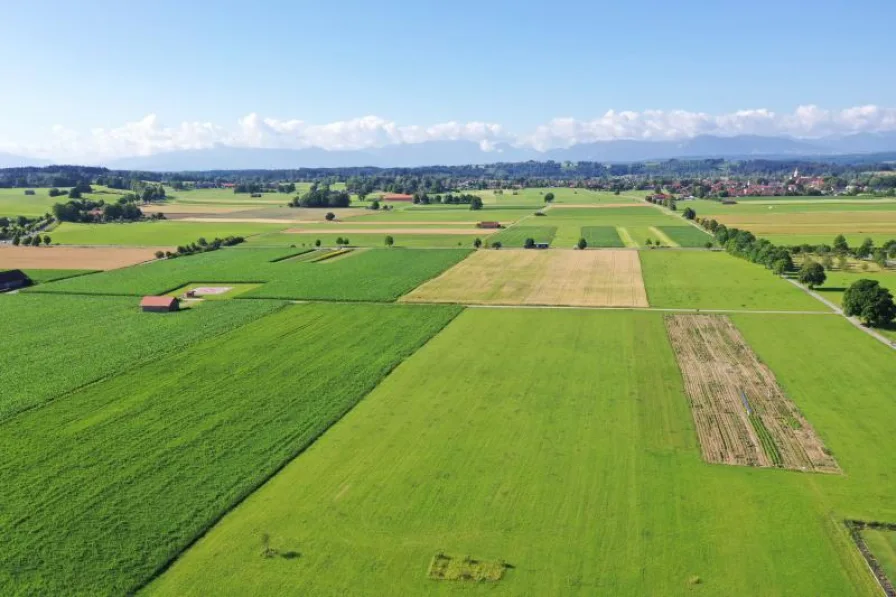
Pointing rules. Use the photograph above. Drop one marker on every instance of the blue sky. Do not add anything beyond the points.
(102, 64)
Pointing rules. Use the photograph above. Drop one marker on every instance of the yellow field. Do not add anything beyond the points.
(842, 222)
(532, 277)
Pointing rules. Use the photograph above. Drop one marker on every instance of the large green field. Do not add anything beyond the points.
(516, 236)
(371, 275)
(56, 344)
(587, 482)
(101, 489)
(153, 234)
(14, 202)
(716, 280)
(359, 239)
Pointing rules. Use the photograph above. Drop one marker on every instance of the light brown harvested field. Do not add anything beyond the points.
(434, 230)
(177, 208)
(532, 277)
(838, 222)
(742, 415)
(400, 223)
(597, 205)
(96, 258)
(239, 220)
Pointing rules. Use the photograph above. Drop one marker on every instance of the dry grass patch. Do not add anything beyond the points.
(433, 230)
(531, 277)
(742, 415)
(196, 210)
(95, 258)
(444, 567)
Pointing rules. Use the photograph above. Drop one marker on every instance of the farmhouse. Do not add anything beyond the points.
(397, 197)
(13, 279)
(159, 304)
(488, 225)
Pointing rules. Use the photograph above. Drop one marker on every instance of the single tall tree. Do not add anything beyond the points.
(870, 302)
(812, 274)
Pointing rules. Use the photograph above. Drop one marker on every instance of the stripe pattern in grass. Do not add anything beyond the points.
(101, 490)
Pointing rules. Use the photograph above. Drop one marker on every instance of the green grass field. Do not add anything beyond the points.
(62, 343)
(838, 281)
(716, 280)
(686, 236)
(42, 276)
(369, 240)
(586, 483)
(882, 544)
(14, 202)
(153, 234)
(601, 236)
(515, 236)
(103, 488)
(771, 205)
(349, 278)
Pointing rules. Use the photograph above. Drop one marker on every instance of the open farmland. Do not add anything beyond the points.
(879, 223)
(602, 236)
(882, 543)
(74, 258)
(103, 488)
(588, 482)
(741, 414)
(357, 238)
(634, 224)
(345, 279)
(14, 202)
(685, 236)
(41, 276)
(533, 277)
(515, 236)
(153, 234)
(712, 280)
(65, 342)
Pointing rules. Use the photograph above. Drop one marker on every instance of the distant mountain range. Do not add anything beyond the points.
(454, 153)
(8, 160)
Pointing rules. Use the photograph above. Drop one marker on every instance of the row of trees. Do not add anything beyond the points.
(201, 246)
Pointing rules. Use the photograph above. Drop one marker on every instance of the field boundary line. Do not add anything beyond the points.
(212, 523)
(853, 320)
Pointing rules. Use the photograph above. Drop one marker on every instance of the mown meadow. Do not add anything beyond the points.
(585, 483)
(716, 280)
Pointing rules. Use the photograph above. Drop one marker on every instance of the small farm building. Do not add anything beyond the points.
(13, 279)
(488, 225)
(29, 191)
(398, 197)
(541, 245)
(159, 304)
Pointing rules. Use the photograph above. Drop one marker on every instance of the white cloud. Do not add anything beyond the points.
(149, 136)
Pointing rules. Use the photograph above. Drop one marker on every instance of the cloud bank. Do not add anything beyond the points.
(149, 136)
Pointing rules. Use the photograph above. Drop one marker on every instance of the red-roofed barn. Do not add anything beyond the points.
(159, 304)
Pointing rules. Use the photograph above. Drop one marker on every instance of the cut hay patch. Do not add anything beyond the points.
(444, 567)
(742, 415)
